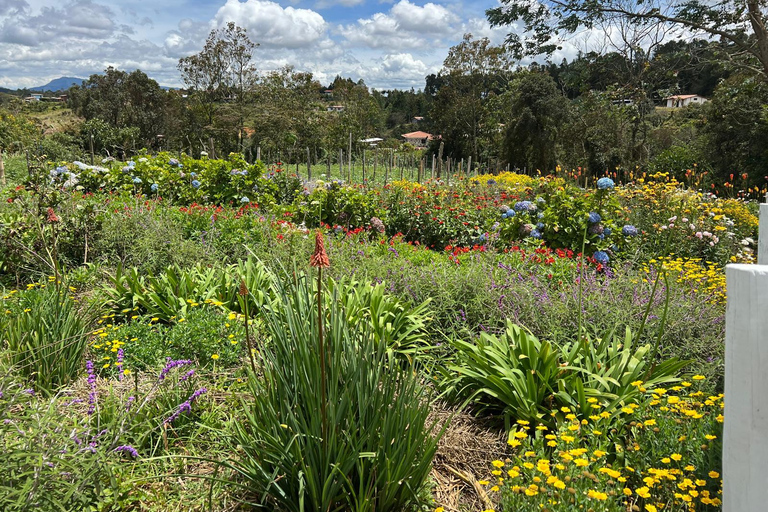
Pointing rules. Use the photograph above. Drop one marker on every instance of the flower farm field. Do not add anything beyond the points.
(182, 334)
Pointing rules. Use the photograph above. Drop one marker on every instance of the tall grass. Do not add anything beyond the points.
(46, 333)
(377, 449)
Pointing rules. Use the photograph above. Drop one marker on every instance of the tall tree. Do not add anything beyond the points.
(536, 111)
(473, 72)
(221, 71)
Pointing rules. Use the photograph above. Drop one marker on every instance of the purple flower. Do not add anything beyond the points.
(119, 364)
(525, 206)
(129, 403)
(170, 365)
(92, 384)
(130, 450)
(185, 406)
(187, 375)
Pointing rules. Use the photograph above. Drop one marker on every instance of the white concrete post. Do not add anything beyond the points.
(762, 235)
(745, 434)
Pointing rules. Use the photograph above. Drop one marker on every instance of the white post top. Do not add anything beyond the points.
(745, 434)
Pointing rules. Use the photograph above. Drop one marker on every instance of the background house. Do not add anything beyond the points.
(683, 100)
(418, 139)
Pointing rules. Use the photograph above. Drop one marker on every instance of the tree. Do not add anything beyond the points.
(473, 73)
(221, 71)
(740, 25)
(287, 117)
(122, 100)
(536, 111)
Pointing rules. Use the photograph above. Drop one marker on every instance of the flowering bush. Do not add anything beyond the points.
(666, 458)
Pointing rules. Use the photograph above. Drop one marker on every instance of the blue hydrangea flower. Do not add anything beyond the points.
(605, 183)
(508, 214)
(540, 200)
(153, 187)
(193, 174)
(594, 217)
(525, 206)
(131, 164)
(536, 234)
(607, 231)
(540, 226)
(629, 230)
(173, 162)
(245, 199)
(137, 181)
(195, 183)
(482, 238)
(601, 257)
(127, 169)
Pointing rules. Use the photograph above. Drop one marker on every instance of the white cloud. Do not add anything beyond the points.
(407, 26)
(271, 25)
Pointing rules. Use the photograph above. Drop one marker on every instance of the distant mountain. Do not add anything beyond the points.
(59, 84)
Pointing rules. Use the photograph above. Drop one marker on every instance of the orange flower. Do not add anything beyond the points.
(319, 258)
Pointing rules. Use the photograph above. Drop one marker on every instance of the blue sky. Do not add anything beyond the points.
(388, 43)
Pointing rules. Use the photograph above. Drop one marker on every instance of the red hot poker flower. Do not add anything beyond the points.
(319, 258)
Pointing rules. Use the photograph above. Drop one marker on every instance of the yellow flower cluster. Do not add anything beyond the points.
(408, 186)
(703, 276)
(506, 179)
(737, 211)
(580, 467)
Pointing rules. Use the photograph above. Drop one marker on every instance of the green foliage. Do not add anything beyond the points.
(514, 374)
(43, 468)
(520, 377)
(367, 447)
(536, 112)
(46, 334)
(401, 328)
(171, 294)
(205, 334)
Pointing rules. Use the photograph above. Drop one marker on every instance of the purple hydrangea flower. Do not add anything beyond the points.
(629, 230)
(525, 206)
(601, 257)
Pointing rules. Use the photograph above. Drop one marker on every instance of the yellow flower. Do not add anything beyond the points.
(601, 496)
(650, 508)
(497, 464)
(643, 492)
(215, 356)
(581, 462)
(698, 377)
(627, 491)
(676, 457)
(714, 474)
(439, 509)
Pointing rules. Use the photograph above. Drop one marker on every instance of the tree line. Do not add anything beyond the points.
(599, 112)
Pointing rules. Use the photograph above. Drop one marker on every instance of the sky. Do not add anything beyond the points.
(387, 43)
